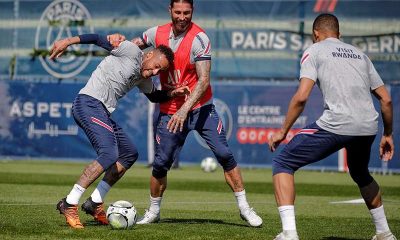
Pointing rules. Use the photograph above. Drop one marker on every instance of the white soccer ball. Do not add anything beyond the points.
(209, 164)
(121, 215)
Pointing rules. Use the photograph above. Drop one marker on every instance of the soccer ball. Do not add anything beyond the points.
(209, 164)
(121, 215)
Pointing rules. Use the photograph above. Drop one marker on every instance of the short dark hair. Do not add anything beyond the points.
(167, 51)
(326, 22)
(186, 1)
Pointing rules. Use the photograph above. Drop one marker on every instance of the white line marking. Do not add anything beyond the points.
(45, 204)
(354, 201)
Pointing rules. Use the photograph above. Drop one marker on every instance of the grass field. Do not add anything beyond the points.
(197, 205)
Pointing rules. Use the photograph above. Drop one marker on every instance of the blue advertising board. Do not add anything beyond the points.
(36, 122)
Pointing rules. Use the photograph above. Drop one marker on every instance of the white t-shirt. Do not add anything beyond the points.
(116, 75)
(346, 77)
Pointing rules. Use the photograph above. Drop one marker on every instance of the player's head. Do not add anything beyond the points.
(156, 60)
(181, 15)
(324, 26)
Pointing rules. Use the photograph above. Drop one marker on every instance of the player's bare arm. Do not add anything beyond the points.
(203, 69)
(116, 38)
(140, 43)
(60, 46)
(386, 146)
(296, 107)
(179, 92)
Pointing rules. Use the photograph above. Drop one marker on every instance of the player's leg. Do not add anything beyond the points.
(128, 155)
(309, 145)
(168, 145)
(358, 156)
(90, 115)
(208, 124)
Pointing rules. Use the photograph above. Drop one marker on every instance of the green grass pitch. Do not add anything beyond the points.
(196, 205)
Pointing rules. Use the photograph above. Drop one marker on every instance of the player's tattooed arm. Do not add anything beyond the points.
(203, 69)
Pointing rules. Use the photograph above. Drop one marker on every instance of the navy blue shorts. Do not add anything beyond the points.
(313, 144)
(206, 122)
(106, 136)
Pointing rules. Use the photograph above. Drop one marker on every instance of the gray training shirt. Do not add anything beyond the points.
(346, 77)
(116, 75)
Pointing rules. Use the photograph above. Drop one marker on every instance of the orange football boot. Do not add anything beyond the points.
(96, 210)
(70, 213)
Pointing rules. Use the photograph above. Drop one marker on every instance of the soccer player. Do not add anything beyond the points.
(181, 115)
(125, 68)
(346, 78)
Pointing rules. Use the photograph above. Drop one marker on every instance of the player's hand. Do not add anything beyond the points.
(275, 140)
(59, 48)
(115, 39)
(138, 41)
(177, 120)
(179, 92)
(386, 148)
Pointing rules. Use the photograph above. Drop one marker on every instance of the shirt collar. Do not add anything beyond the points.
(332, 39)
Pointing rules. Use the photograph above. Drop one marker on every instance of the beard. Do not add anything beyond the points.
(181, 26)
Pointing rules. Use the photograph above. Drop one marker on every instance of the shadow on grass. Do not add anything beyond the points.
(199, 221)
(92, 223)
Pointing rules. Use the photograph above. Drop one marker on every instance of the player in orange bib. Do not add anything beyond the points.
(192, 65)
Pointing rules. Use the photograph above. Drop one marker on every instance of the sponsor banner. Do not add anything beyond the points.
(252, 112)
(269, 53)
(36, 121)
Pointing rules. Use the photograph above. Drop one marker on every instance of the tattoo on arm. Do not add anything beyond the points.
(203, 69)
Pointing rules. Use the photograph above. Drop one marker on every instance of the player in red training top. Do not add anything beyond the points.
(179, 116)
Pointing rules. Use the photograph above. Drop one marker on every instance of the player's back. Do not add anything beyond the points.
(345, 77)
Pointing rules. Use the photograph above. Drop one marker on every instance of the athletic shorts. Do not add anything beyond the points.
(206, 122)
(107, 138)
(313, 144)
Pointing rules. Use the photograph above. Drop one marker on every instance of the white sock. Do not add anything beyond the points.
(287, 217)
(75, 194)
(379, 219)
(100, 192)
(155, 204)
(241, 200)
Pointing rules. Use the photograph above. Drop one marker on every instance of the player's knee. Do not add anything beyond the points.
(107, 157)
(278, 166)
(128, 159)
(226, 159)
(362, 179)
(159, 170)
